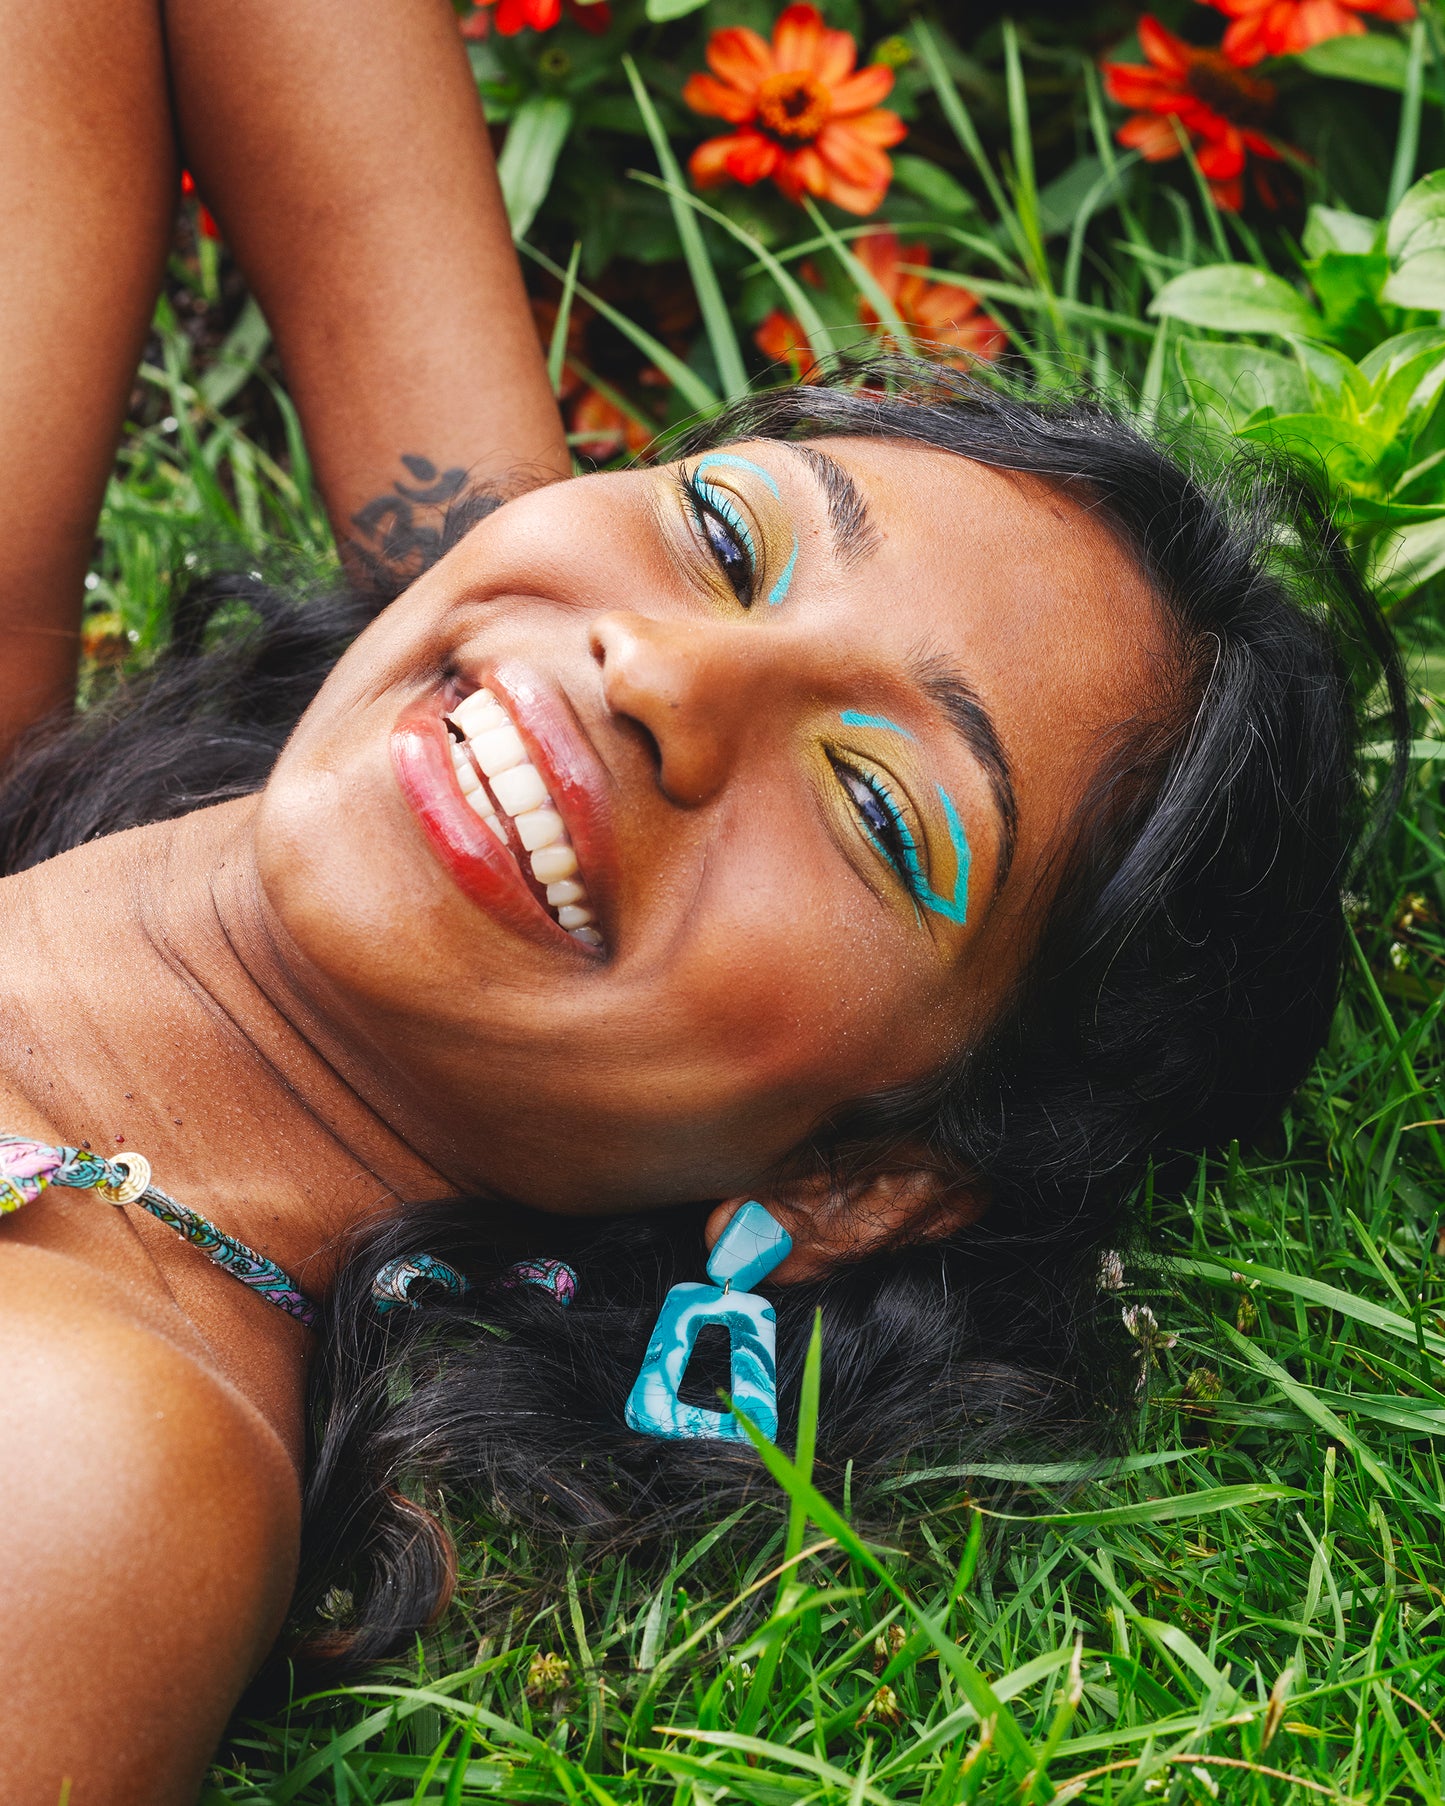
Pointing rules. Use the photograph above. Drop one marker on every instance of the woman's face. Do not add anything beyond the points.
(812, 721)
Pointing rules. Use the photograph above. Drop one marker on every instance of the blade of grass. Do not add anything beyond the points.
(1407, 139)
(716, 317)
(688, 383)
(557, 349)
(817, 335)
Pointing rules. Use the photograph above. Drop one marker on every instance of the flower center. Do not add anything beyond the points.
(1239, 98)
(793, 105)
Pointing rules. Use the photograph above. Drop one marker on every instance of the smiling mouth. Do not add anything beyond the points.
(503, 787)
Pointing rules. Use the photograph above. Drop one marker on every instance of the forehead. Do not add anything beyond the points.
(1026, 593)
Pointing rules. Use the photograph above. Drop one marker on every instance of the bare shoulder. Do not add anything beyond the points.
(151, 1521)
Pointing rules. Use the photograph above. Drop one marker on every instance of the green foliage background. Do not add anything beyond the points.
(1249, 1608)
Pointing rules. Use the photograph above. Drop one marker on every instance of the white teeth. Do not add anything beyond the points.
(498, 750)
(514, 784)
(479, 713)
(539, 828)
(549, 864)
(520, 790)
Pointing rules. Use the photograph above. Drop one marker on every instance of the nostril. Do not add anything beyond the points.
(646, 739)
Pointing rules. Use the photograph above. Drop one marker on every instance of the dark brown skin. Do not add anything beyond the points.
(292, 1008)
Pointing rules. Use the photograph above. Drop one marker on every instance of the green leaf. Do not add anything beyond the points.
(1418, 282)
(1418, 224)
(1409, 557)
(1381, 60)
(1402, 402)
(1160, 1511)
(1336, 385)
(1350, 453)
(1347, 287)
(1238, 380)
(1332, 229)
(241, 351)
(1236, 297)
(660, 11)
(1389, 356)
(534, 141)
(935, 187)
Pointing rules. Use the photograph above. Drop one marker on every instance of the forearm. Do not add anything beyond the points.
(342, 148)
(87, 192)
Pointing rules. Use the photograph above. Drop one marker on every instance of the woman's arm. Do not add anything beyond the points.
(342, 148)
(87, 200)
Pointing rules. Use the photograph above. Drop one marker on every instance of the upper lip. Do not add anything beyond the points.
(576, 779)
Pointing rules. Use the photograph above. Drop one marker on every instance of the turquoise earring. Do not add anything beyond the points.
(753, 1243)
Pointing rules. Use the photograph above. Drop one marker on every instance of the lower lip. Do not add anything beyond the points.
(479, 865)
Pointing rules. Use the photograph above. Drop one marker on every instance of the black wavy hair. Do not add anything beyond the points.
(1183, 982)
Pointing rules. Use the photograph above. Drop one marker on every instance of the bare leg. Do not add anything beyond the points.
(87, 197)
(342, 147)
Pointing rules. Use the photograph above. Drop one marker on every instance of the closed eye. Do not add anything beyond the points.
(729, 538)
(884, 824)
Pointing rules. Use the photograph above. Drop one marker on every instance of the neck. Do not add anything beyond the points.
(146, 1008)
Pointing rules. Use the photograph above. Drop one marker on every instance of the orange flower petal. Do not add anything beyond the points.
(1245, 42)
(798, 37)
(852, 157)
(1136, 85)
(1154, 138)
(1162, 48)
(750, 156)
(834, 58)
(862, 91)
(878, 127)
(801, 172)
(1224, 159)
(708, 164)
(740, 57)
(1229, 195)
(706, 94)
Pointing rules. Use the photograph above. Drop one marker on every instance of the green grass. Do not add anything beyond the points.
(1248, 1609)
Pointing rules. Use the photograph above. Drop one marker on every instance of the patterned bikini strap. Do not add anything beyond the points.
(28, 1167)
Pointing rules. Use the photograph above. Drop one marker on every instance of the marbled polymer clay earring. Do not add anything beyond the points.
(753, 1243)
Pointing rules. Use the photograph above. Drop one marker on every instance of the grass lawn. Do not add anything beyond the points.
(1248, 1608)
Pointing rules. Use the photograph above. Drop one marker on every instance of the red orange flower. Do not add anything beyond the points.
(804, 115)
(1220, 109)
(949, 320)
(602, 429)
(944, 316)
(1264, 28)
(512, 16)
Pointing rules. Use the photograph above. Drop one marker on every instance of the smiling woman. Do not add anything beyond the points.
(841, 856)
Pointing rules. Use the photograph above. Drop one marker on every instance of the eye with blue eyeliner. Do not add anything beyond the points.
(884, 824)
(728, 536)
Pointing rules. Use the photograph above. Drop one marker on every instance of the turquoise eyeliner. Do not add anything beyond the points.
(952, 909)
(731, 461)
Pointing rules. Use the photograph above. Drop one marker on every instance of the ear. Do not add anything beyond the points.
(885, 1210)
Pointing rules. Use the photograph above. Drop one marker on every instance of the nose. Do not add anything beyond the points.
(694, 687)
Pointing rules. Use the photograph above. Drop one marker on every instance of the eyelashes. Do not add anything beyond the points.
(884, 824)
(727, 533)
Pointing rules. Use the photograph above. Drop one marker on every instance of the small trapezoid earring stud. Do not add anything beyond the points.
(753, 1243)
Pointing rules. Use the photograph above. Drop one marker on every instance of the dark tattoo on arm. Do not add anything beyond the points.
(406, 530)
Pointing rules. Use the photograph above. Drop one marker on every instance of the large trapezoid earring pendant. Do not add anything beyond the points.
(753, 1243)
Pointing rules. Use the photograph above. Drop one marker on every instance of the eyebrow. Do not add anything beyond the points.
(962, 707)
(854, 535)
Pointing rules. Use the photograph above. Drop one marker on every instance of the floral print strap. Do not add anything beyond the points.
(28, 1167)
